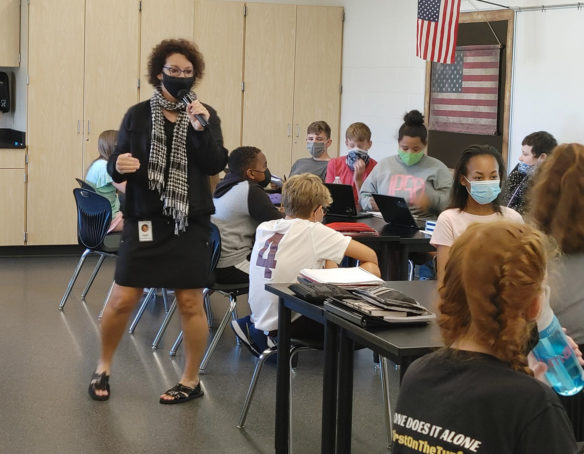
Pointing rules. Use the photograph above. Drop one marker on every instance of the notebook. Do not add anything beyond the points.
(343, 202)
(340, 276)
(395, 211)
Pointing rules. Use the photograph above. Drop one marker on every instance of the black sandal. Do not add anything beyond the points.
(181, 393)
(101, 382)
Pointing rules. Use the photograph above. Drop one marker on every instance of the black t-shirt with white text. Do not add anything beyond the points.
(461, 402)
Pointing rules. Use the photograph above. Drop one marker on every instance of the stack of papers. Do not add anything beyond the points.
(340, 276)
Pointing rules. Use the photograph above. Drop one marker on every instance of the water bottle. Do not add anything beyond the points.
(337, 180)
(564, 372)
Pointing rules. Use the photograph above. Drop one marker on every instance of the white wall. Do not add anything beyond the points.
(548, 93)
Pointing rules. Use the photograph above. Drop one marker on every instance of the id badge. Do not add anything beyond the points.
(145, 231)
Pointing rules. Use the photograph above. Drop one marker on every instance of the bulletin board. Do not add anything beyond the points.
(473, 29)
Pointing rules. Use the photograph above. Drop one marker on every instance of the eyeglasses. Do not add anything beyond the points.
(324, 210)
(176, 72)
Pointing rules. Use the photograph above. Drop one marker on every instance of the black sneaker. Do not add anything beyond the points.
(241, 328)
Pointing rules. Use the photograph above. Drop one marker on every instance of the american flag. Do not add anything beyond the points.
(437, 29)
(464, 95)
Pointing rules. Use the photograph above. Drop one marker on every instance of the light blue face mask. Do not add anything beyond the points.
(484, 191)
(525, 169)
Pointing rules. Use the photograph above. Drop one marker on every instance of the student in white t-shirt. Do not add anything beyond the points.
(474, 197)
(285, 246)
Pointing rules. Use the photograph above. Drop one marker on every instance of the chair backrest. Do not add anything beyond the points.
(215, 241)
(85, 185)
(94, 216)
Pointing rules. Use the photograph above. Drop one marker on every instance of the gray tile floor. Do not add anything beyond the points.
(47, 358)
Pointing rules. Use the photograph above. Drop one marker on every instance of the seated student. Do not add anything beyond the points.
(478, 394)
(423, 181)
(98, 177)
(535, 148)
(557, 208)
(357, 165)
(285, 246)
(241, 205)
(478, 173)
(318, 139)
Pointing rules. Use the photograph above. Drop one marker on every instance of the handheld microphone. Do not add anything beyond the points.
(185, 96)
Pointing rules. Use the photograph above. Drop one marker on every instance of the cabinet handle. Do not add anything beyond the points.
(289, 129)
(88, 128)
(78, 126)
(297, 130)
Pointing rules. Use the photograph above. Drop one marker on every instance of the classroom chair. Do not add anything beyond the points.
(94, 215)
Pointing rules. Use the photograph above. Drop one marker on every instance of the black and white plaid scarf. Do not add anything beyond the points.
(174, 192)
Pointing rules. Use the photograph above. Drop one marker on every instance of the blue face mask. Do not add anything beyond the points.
(525, 168)
(484, 191)
(354, 155)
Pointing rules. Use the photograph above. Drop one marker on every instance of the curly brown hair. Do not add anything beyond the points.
(161, 51)
(494, 273)
(557, 205)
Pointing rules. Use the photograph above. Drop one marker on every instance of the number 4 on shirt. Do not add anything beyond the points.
(269, 263)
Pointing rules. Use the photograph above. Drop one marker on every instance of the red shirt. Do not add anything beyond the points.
(337, 167)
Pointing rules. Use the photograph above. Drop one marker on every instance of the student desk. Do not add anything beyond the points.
(399, 344)
(393, 247)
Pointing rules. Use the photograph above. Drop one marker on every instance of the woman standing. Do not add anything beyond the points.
(165, 155)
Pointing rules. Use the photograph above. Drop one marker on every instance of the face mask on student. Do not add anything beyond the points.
(174, 85)
(410, 159)
(355, 154)
(525, 169)
(315, 148)
(484, 191)
(267, 178)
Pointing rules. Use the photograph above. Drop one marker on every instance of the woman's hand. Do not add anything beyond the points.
(196, 108)
(127, 163)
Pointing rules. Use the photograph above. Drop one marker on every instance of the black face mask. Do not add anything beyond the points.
(267, 178)
(174, 85)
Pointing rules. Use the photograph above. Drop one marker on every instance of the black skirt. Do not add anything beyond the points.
(168, 261)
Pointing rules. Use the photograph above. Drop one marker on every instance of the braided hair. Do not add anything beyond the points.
(494, 273)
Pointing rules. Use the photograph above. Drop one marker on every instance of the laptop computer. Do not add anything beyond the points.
(343, 202)
(395, 211)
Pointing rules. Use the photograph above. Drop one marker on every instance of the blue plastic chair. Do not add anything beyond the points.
(94, 216)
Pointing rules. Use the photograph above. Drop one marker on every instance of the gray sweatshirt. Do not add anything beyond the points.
(392, 177)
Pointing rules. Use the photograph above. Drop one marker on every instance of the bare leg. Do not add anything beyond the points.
(113, 324)
(195, 331)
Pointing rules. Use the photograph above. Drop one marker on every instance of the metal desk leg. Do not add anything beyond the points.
(329, 386)
(345, 394)
(283, 379)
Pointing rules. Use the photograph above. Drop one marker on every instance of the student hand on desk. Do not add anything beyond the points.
(539, 368)
(126, 163)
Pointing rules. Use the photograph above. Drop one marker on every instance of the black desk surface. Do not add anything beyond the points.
(395, 342)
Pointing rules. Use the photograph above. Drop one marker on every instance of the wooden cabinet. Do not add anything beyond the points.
(162, 20)
(10, 33)
(12, 197)
(79, 85)
(292, 78)
(219, 34)
(317, 74)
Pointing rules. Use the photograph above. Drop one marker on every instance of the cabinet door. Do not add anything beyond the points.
(12, 207)
(223, 52)
(269, 82)
(317, 83)
(9, 32)
(111, 67)
(55, 115)
(162, 20)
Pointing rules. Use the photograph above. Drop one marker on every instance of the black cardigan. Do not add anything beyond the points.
(206, 155)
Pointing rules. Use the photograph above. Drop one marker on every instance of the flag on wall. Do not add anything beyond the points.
(464, 96)
(437, 29)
